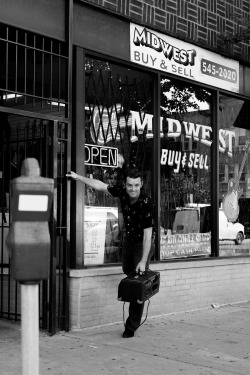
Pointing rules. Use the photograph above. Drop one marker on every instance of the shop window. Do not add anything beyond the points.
(222, 173)
(118, 126)
(186, 146)
(185, 170)
(231, 171)
(194, 146)
(243, 174)
(242, 140)
(234, 197)
(33, 72)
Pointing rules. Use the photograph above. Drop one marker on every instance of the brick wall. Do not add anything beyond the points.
(210, 23)
(185, 286)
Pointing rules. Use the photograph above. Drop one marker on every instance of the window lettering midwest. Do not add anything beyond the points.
(197, 132)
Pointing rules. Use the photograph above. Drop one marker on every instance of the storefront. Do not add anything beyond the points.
(178, 112)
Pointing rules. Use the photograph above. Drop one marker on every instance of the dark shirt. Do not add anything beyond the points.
(137, 216)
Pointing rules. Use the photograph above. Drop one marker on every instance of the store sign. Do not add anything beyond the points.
(185, 245)
(101, 156)
(171, 55)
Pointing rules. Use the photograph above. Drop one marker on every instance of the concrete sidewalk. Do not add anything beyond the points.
(214, 341)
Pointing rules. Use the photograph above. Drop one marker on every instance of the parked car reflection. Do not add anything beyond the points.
(230, 231)
(196, 219)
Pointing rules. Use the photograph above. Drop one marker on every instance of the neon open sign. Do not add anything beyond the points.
(101, 156)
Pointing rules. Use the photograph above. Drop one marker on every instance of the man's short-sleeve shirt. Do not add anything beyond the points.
(137, 216)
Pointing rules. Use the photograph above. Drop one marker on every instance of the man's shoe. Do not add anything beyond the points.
(127, 333)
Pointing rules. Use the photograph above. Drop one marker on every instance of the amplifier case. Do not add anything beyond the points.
(139, 287)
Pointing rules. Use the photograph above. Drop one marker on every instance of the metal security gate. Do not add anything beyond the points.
(47, 140)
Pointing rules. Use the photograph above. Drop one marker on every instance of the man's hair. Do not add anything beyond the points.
(133, 173)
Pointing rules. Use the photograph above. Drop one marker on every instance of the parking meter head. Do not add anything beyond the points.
(28, 240)
(31, 195)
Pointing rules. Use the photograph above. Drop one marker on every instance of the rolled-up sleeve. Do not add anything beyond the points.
(148, 214)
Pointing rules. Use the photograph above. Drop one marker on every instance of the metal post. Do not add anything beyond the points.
(156, 188)
(30, 329)
(215, 176)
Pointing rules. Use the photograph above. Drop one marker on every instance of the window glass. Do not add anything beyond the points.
(234, 188)
(185, 170)
(118, 134)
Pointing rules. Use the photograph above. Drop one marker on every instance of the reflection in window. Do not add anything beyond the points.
(242, 140)
(185, 170)
(118, 114)
(222, 173)
(234, 136)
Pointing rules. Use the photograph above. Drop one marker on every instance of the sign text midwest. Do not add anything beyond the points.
(149, 39)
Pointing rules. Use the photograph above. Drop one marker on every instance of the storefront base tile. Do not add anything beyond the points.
(185, 286)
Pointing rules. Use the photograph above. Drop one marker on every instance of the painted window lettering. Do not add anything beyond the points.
(140, 122)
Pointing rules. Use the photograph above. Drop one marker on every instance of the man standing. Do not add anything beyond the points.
(138, 216)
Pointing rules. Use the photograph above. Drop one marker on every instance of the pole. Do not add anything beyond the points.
(30, 329)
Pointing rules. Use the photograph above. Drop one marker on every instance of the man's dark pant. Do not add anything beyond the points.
(131, 256)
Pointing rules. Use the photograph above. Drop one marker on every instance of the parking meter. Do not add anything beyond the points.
(28, 240)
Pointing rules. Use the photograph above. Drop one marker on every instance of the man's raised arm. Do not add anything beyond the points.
(95, 184)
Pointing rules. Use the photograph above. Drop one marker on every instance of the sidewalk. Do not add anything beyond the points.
(214, 341)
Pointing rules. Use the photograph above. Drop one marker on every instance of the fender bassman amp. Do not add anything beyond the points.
(139, 287)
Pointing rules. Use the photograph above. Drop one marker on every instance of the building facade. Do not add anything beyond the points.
(98, 86)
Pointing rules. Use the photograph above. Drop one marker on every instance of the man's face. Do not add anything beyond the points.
(133, 187)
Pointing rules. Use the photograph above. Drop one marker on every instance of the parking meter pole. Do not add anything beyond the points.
(28, 243)
(30, 329)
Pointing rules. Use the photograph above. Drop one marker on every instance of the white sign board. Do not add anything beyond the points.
(95, 221)
(185, 245)
(171, 55)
